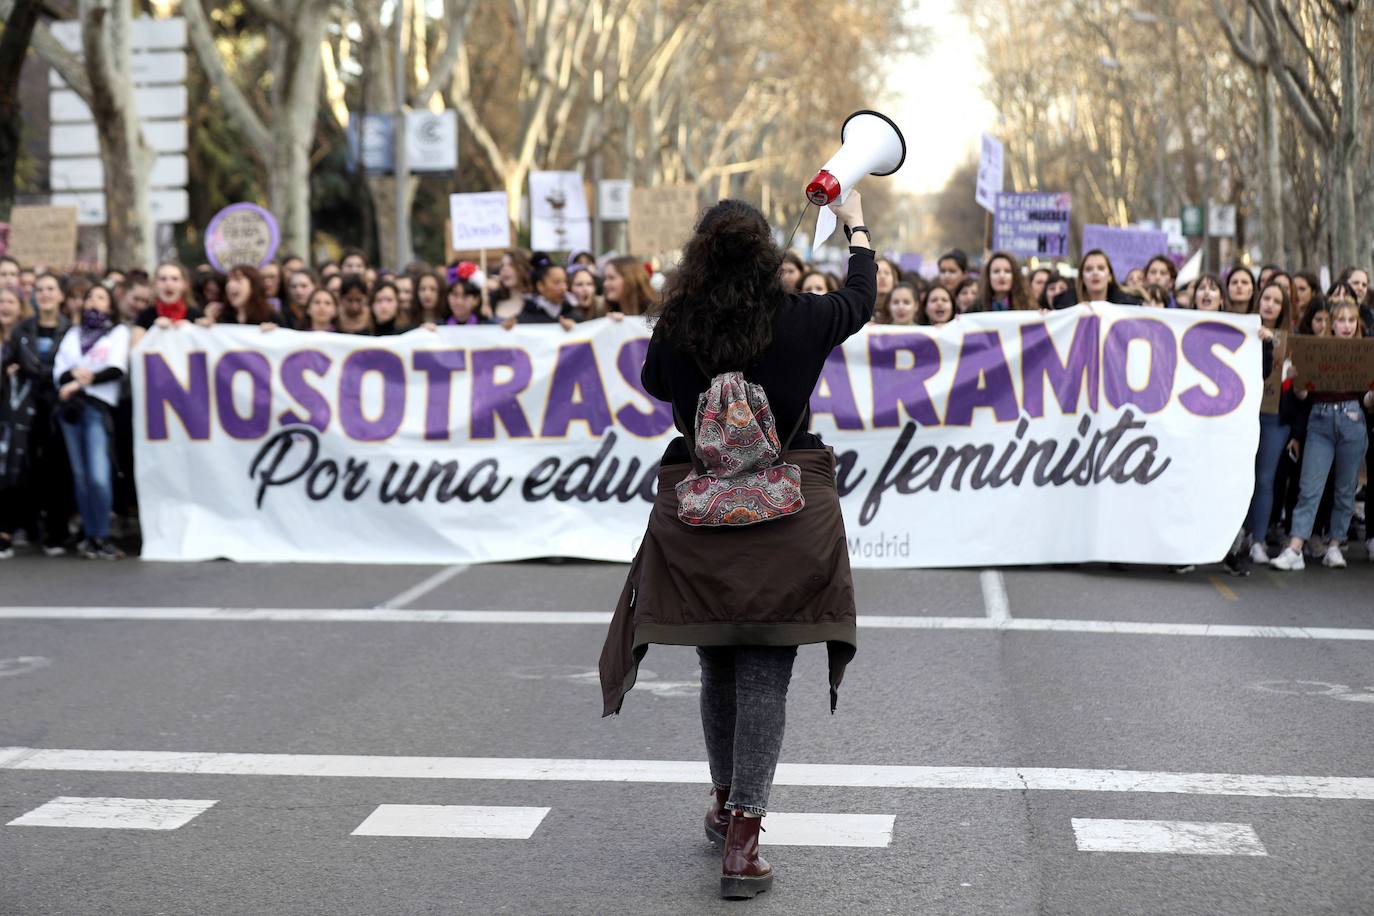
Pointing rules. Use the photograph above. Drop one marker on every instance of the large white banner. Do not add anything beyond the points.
(1100, 433)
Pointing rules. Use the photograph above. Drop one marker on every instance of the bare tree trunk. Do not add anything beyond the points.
(1271, 184)
(127, 157)
(13, 46)
(1346, 226)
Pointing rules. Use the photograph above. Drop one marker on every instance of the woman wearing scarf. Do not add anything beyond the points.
(91, 361)
(170, 287)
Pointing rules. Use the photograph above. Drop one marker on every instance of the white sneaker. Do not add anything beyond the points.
(55, 550)
(1369, 549)
(1289, 561)
(6, 553)
(1259, 554)
(1333, 558)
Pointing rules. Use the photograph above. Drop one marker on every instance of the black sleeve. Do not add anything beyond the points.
(108, 374)
(844, 312)
(651, 375)
(147, 317)
(1266, 358)
(65, 378)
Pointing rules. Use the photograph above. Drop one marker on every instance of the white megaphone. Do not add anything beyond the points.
(871, 144)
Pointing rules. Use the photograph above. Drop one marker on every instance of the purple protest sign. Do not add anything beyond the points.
(1127, 249)
(1035, 224)
(241, 234)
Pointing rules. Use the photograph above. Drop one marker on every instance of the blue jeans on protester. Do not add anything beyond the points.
(88, 449)
(1335, 444)
(1273, 437)
(743, 713)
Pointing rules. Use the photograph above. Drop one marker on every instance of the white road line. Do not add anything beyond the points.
(868, 830)
(420, 589)
(601, 618)
(114, 813)
(537, 769)
(994, 595)
(1198, 838)
(487, 822)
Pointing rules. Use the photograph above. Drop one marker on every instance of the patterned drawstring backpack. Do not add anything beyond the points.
(738, 476)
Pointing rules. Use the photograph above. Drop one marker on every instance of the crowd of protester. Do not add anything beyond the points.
(66, 431)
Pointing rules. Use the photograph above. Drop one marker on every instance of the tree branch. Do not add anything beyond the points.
(255, 133)
(55, 55)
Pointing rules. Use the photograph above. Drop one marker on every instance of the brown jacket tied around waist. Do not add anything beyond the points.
(784, 583)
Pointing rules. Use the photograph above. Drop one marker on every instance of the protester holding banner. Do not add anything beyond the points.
(1160, 271)
(464, 300)
(321, 312)
(430, 294)
(1334, 441)
(966, 295)
(724, 312)
(90, 364)
(1097, 281)
(1277, 412)
(170, 305)
(937, 307)
(1001, 287)
(513, 283)
(582, 283)
(354, 315)
(550, 302)
(625, 285)
(1206, 294)
(244, 301)
(44, 483)
(384, 302)
(1240, 291)
(300, 285)
(902, 305)
(207, 292)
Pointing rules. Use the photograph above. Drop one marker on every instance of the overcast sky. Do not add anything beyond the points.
(937, 99)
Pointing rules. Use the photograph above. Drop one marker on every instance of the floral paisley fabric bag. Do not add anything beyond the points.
(738, 476)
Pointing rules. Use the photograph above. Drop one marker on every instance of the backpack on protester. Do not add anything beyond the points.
(738, 477)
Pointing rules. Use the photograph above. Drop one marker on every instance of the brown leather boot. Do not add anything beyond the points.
(743, 872)
(717, 818)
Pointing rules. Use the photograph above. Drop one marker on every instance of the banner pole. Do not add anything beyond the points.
(482, 262)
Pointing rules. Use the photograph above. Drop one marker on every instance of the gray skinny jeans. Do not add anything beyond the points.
(743, 712)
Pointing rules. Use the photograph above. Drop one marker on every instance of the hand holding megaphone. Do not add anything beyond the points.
(870, 144)
(849, 210)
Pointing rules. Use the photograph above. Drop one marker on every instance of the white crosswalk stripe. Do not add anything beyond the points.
(488, 822)
(1199, 838)
(115, 813)
(781, 828)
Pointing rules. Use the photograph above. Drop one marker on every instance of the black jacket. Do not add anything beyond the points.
(806, 328)
(23, 350)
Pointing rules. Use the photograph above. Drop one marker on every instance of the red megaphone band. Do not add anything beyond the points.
(823, 189)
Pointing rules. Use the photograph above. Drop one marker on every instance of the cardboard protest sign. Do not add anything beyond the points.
(661, 218)
(1332, 363)
(43, 236)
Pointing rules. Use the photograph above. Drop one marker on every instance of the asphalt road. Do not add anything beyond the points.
(986, 733)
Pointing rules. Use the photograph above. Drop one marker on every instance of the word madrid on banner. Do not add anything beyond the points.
(1098, 433)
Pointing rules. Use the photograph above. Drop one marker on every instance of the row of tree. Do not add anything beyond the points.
(1140, 106)
(735, 96)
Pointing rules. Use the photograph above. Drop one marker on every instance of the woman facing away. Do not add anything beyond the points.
(745, 595)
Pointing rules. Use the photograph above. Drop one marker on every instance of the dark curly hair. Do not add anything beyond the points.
(720, 300)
